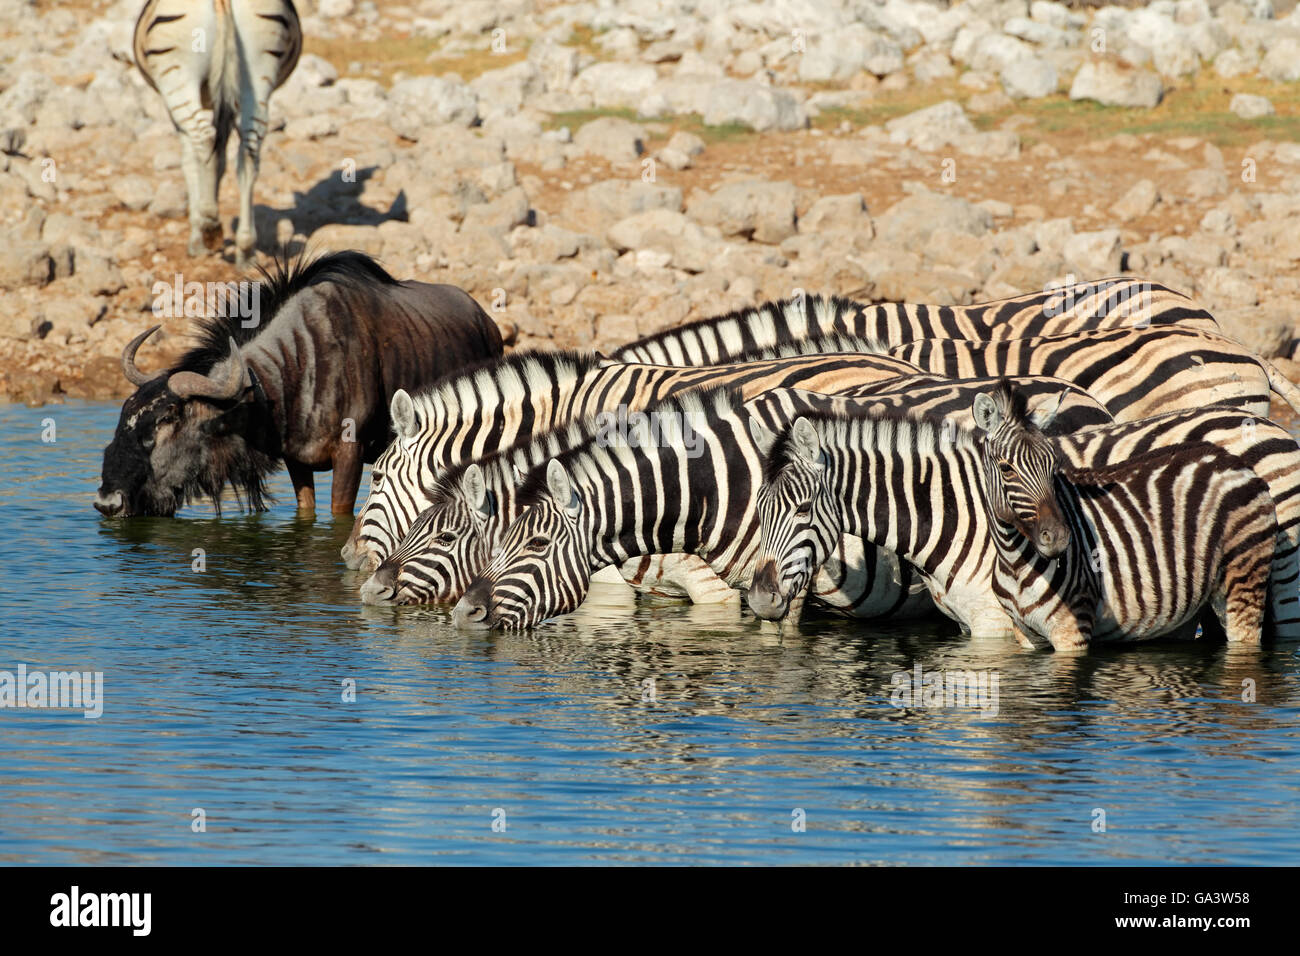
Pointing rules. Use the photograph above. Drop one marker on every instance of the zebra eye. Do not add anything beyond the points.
(804, 510)
(447, 537)
(538, 544)
(1006, 469)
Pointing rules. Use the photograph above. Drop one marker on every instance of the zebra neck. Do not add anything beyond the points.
(921, 497)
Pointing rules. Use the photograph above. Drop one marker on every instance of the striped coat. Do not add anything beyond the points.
(215, 63)
(469, 415)
(1135, 373)
(1105, 304)
(1130, 550)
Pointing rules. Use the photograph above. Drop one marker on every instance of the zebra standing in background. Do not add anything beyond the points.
(215, 64)
(484, 409)
(1130, 551)
(1135, 373)
(1081, 307)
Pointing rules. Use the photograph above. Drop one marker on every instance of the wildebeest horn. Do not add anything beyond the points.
(194, 385)
(133, 374)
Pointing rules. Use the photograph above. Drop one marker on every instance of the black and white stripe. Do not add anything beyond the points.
(601, 504)
(482, 410)
(1119, 302)
(215, 63)
(907, 485)
(1135, 373)
(1130, 550)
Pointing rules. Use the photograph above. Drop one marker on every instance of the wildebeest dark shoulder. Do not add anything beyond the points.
(309, 385)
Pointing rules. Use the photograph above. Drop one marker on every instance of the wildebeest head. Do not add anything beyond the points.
(184, 435)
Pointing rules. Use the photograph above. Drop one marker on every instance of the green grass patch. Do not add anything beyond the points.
(691, 123)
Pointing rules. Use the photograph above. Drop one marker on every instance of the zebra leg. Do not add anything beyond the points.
(199, 163)
(304, 485)
(693, 575)
(250, 148)
(1240, 601)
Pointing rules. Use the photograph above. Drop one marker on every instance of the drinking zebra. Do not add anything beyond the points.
(1107, 303)
(474, 413)
(1128, 551)
(909, 485)
(919, 488)
(452, 540)
(215, 63)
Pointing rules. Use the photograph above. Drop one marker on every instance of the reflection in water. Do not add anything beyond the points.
(631, 730)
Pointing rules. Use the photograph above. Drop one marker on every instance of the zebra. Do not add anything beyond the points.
(927, 396)
(215, 64)
(910, 485)
(923, 482)
(490, 406)
(1135, 373)
(1131, 550)
(1107, 303)
(450, 542)
(607, 501)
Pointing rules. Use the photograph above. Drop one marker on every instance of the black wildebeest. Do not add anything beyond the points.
(309, 384)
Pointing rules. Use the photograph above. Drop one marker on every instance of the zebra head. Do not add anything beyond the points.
(800, 525)
(1020, 465)
(449, 543)
(396, 494)
(543, 566)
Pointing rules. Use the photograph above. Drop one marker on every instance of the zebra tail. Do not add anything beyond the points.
(224, 82)
(1282, 385)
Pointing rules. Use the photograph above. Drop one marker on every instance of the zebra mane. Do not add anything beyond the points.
(708, 402)
(282, 281)
(827, 310)
(501, 463)
(515, 374)
(880, 425)
(830, 344)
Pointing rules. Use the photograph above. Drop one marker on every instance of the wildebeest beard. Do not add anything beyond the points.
(168, 452)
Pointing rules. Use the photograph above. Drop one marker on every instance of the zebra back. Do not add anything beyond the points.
(1135, 373)
(1117, 302)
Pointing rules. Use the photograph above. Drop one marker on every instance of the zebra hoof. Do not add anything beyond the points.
(212, 240)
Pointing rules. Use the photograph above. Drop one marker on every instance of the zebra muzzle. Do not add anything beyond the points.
(380, 587)
(473, 610)
(765, 598)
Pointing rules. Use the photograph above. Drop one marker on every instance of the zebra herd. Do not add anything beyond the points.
(1090, 462)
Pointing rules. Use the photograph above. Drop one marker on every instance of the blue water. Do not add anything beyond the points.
(223, 691)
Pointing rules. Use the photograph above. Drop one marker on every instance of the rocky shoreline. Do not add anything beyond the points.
(593, 172)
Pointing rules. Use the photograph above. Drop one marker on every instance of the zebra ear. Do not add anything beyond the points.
(805, 441)
(561, 489)
(763, 438)
(476, 489)
(987, 416)
(1044, 414)
(402, 412)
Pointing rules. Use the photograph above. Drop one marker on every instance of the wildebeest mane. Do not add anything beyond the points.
(286, 277)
